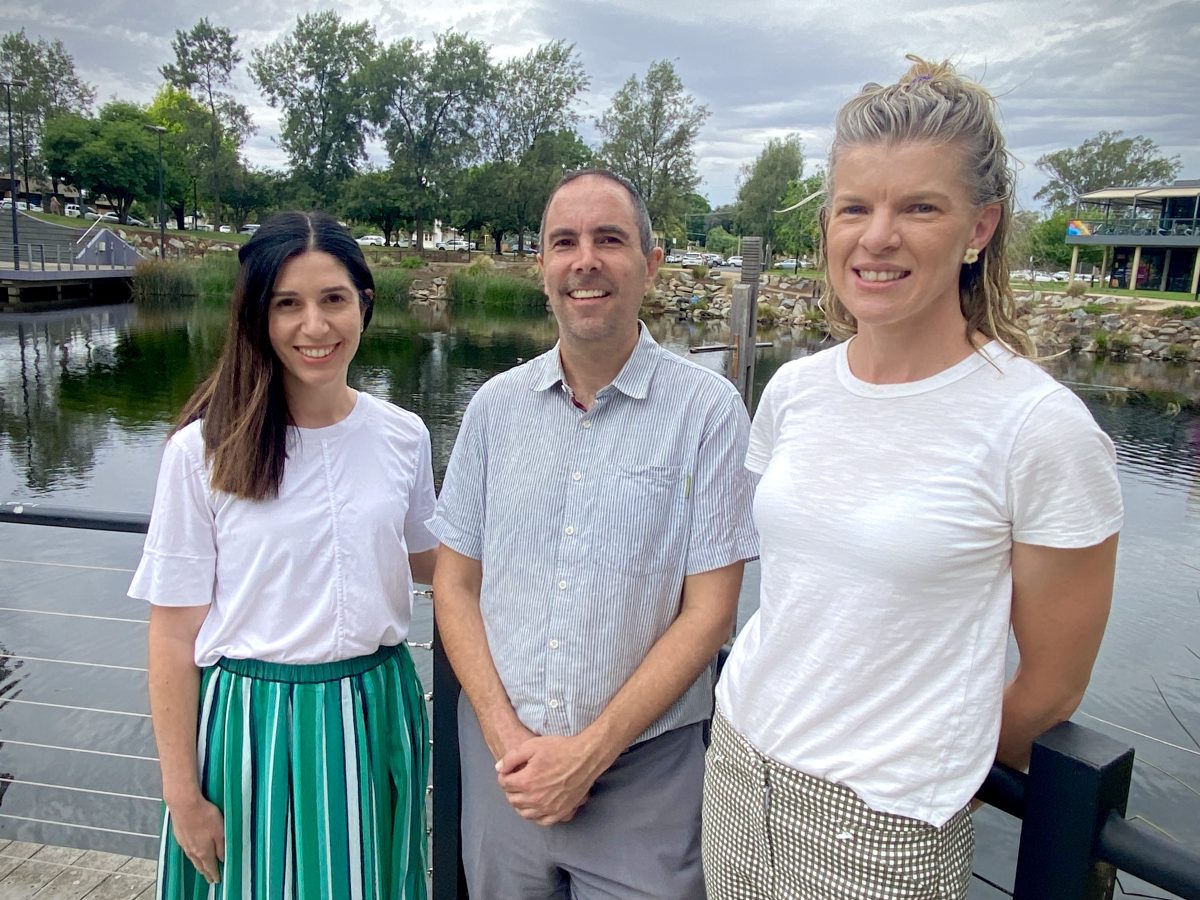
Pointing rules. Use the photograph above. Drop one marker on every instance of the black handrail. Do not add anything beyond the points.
(1075, 792)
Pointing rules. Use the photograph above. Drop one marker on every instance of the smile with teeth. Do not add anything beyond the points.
(586, 294)
(880, 275)
(316, 352)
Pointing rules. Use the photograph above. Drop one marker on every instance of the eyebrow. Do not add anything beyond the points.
(599, 229)
(339, 289)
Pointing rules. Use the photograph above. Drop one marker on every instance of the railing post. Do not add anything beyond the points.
(1076, 777)
(445, 854)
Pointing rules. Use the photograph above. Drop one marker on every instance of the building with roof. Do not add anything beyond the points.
(1150, 235)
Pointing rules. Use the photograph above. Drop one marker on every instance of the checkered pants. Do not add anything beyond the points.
(772, 833)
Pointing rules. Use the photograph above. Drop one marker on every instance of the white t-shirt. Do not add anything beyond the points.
(886, 515)
(318, 574)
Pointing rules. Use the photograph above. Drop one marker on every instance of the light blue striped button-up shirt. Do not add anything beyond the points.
(586, 524)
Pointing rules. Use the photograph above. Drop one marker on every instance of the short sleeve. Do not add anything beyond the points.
(458, 518)
(417, 535)
(1062, 478)
(763, 431)
(178, 566)
(722, 527)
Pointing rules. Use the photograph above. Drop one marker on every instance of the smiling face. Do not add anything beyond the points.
(314, 323)
(900, 220)
(593, 268)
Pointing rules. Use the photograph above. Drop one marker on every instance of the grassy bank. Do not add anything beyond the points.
(496, 291)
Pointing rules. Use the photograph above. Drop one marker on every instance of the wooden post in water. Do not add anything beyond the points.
(743, 320)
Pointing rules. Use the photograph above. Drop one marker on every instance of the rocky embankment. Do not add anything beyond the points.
(1115, 326)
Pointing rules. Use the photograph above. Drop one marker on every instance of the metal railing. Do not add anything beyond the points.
(1072, 802)
(57, 257)
(1150, 226)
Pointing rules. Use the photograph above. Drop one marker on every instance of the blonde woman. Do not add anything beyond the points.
(924, 486)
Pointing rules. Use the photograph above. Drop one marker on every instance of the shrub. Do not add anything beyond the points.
(699, 272)
(216, 276)
(161, 282)
(1182, 311)
(481, 266)
(1119, 345)
(1077, 289)
(392, 285)
(1178, 353)
(1094, 309)
(412, 262)
(496, 291)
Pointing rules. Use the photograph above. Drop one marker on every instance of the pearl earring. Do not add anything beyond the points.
(971, 256)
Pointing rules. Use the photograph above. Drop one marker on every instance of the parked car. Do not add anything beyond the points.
(7, 203)
(790, 264)
(402, 242)
(735, 261)
(249, 229)
(1061, 276)
(134, 220)
(714, 259)
(672, 258)
(372, 240)
(459, 244)
(693, 259)
(226, 229)
(72, 210)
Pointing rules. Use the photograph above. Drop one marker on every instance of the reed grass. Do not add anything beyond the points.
(496, 291)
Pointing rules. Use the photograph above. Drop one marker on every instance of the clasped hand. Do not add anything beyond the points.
(547, 778)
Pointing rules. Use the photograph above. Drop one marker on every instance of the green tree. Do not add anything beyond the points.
(246, 192)
(205, 58)
(425, 104)
(315, 76)
(186, 150)
(649, 133)
(532, 95)
(1106, 160)
(718, 240)
(114, 155)
(764, 184)
(798, 230)
(377, 198)
(52, 88)
(1047, 244)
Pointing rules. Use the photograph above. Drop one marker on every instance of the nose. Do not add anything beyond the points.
(586, 259)
(880, 233)
(314, 322)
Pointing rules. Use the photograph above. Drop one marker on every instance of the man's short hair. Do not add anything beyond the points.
(645, 236)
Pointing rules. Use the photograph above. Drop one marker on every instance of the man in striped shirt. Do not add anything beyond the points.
(594, 521)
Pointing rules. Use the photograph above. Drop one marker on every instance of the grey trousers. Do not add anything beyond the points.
(636, 838)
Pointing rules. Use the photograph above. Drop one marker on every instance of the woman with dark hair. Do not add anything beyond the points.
(288, 527)
(924, 487)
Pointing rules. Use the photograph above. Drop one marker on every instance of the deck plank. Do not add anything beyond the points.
(62, 873)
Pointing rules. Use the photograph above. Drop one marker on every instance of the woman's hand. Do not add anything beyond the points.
(200, 832)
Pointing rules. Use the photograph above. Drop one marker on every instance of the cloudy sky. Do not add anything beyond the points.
(1063, 70)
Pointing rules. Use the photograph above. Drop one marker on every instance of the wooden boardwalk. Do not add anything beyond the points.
(59, 873)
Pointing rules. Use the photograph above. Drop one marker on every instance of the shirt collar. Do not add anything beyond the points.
(633, 380)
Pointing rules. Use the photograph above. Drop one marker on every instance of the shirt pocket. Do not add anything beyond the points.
(643, 518)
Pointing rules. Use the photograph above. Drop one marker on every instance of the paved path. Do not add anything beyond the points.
(59, 873)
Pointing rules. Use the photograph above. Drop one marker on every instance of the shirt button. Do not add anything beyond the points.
(554, 644)
(586, 423)
(575, 476)
(553, 704)
(562, 585)
(570, 529)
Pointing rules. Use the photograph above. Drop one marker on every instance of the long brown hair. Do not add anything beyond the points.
(931, 102)
(242, 403)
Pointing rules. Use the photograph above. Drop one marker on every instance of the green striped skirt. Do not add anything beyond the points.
(320, 773)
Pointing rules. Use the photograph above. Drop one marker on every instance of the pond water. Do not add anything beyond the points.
(87, 396)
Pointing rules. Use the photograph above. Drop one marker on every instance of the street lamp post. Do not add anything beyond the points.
(12, 170)
(162, 223)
